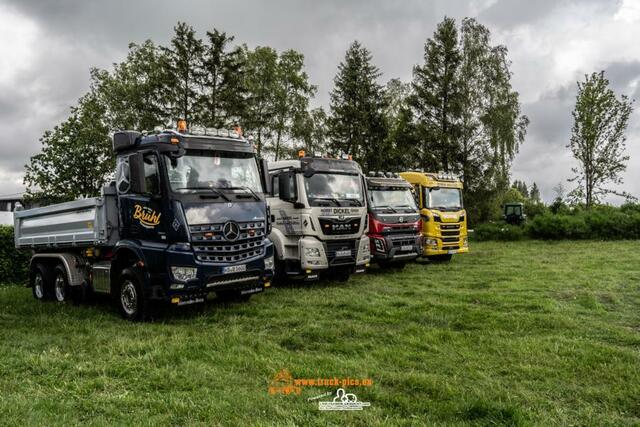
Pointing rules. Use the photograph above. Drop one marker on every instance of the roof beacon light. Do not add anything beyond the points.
(182, 125)
(238, 130)
(301, 153)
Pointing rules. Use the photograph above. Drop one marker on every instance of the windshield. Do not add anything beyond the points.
(324, 189)
(393, 199)
(443, 198)
(205, 169)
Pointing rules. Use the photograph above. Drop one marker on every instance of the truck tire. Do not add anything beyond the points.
(130, 298)
(41, 282)
(60, 284)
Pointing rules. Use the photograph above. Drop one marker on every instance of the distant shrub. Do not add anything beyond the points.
(498, 231)
(571, 223)
(13, 263)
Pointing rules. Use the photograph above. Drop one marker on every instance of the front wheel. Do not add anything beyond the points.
(131, 302)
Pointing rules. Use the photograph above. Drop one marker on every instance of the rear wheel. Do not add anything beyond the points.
(41, 282)
(60, 284)
(131, 301)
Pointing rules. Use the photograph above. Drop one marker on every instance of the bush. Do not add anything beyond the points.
(601, 222)
(498, 231)
(13, 263)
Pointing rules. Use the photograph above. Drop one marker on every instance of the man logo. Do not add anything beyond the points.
(231, 231)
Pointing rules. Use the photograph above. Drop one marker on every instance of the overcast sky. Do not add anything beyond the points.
(48, 47)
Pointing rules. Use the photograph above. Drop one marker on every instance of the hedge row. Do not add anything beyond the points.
(604, 223)
(13, 263)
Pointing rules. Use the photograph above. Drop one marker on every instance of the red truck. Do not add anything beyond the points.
(394, 219)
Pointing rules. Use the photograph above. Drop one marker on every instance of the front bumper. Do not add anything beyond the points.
(246, 277)
(395, 248)
(433, 245)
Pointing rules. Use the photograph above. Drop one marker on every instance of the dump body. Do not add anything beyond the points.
(80, 223)
(444, 220)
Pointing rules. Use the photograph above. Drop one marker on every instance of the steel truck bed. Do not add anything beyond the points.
(87, 222)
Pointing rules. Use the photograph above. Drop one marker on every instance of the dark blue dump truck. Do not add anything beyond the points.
(185, 216)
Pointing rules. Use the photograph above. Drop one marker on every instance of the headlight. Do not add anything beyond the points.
(431, 242)
(312, 252)
(184, 274)
(379, 245)
(269, 263)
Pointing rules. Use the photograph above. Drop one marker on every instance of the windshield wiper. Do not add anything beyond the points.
(215, 192)
(333, 199)
(387, 207)
(247, 189)
(356, 201)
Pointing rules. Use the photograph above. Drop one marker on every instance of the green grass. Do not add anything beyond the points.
(511, 334)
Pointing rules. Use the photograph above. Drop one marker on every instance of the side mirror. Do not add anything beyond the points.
(136, 173)
(266, 178)
(287, 187)
(125, 139)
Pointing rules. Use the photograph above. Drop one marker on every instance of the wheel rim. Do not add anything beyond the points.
(59, 288)
(38, 286)
(129, 298)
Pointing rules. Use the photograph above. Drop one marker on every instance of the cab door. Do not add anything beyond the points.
(141, 206)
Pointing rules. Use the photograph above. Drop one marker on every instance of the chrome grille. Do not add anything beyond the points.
(210, 244)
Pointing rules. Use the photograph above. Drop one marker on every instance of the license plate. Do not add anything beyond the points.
(234, 269)
(343, 253)
(406, 248)
(251, 291)
(451, 252)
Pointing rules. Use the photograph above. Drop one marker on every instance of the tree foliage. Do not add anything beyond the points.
(76, 156)
(357, 124)
(598, 139)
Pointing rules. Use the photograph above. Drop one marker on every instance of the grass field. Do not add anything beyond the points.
(513, 333)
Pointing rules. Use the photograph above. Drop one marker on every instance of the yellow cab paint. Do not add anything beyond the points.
(447, 231)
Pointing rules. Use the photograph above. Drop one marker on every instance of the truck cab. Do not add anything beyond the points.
(394, 219)
(444, 220)
(185, 216)
(319, 216)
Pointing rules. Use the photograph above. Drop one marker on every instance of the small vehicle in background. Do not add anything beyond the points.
(394, 220)
(514, 213)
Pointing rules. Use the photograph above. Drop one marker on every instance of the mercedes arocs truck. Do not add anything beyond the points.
(185, 216)
(319, 217)
(394, 220)
(444, 220)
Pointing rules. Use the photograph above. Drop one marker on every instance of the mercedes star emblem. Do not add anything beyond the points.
(231, 231)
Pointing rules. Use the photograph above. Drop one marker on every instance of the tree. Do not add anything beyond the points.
(403, 140)
(76, 156)
(534, 195)
(291, 97)
(357, 124)
(183, 73)
(312, 129)
(222, 83)
(260, 82)
(132, 93)
(437, 101)
(598, 139)
(521, 186)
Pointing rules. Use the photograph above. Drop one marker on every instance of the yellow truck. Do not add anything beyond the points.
(444, 220)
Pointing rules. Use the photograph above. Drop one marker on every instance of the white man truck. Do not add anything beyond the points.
(319, 217)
